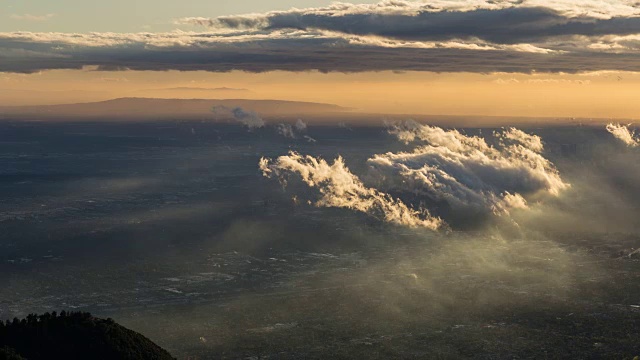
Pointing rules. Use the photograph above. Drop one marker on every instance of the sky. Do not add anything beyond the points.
(125, 15)
(562, 58)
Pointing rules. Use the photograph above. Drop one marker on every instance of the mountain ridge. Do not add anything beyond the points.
(159, 108)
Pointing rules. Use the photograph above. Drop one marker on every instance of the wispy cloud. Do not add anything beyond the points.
(30, 17)
(114, 79)
(293, 131)
(248, 118)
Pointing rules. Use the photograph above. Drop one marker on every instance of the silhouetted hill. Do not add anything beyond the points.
(150, 108)
(73, 336)
(8, 353)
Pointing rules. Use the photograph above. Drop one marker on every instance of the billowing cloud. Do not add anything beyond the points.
(338, 187)
(248, 118)
(467, 172)
(464, 172)
(622, 133)
(440, 36)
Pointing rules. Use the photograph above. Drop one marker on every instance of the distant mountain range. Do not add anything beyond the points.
(135, 108)
(152, 108)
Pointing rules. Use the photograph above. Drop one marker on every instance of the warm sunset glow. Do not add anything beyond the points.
(589, 95)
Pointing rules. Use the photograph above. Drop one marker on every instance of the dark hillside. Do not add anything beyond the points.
(73, 336)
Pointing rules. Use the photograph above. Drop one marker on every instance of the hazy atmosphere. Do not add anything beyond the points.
(316, 180)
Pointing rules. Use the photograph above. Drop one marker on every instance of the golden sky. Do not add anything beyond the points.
(597, 94)
(535, 58)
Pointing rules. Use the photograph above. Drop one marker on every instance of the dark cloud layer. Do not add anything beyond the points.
(325, 58)
(509, 25)
(471, 36)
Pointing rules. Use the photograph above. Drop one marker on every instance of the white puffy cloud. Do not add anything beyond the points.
(622, 133)
(465, 172)
(340, 188)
